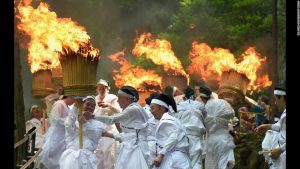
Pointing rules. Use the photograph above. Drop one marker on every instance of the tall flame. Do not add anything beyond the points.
(136, 77)
(160, 52)
(49, 35)
(209, 64)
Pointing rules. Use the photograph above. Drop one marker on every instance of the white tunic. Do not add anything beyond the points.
(173, 143)
(50, 100)
(276, 138)
(190, 116)
(55, 143)
(39, 138)
(219, 145)
(134, 150)
(106, 151)
(73, 157)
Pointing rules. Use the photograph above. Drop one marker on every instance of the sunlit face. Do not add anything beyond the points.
(36, 113)
(197, 90)
(89, 105)
(280, 103)
(124, 101)
(156, 110)
(70, 100)
(101, 89)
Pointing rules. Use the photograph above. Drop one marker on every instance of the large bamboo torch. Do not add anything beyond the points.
(79, 75)
(233, 86)
(42, 87)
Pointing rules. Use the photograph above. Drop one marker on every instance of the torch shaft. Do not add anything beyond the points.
(44, 121)
(79, 103)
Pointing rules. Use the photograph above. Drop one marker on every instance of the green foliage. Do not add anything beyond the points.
(219, 23)
(246, 152)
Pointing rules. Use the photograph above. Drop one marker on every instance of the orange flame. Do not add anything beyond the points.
(160, 52)
(49, 35)
(209, 64)
(136, 77)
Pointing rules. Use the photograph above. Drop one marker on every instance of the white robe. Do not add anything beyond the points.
(106, 151)
(134, 150)
(39, 138)
(276, 138)
(55, 143)
(173, 143)
(85, 158)
(190, 116)
(219, 143)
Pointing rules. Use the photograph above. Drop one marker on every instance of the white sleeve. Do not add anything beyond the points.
(56, 113)
(70, 126)
(276, 126)
(115, 105)
(119, 117)
(29, 125)
(172, 140)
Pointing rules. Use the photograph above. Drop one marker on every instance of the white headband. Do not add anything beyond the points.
(126, 95)
(104, 83)
(159, 102)
(89, 97)
(204, 95)
(279, 92)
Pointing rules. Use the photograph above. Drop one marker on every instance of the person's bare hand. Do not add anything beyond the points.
(157, 161)
(103, 104)
(88, 115)
(275, 153)
(262, 128)
(81, 119)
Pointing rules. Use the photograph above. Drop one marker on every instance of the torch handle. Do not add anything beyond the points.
(44, 121)
(80, 132)
(79, 104)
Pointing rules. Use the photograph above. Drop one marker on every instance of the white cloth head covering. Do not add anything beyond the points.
(33, 106)
(89, 97)
(104, 83)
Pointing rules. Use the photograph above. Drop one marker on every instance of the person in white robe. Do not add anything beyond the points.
(55, 143)
(171, 140)
(134, 150)
(190, 115)
(274, 142)
(152, 124)
(36, 122)
(219, 143)
(74, 157)
(106, 104)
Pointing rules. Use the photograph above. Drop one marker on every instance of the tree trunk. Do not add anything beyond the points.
(274, 58)
(19, 117)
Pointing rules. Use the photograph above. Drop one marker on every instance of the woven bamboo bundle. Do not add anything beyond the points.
(57, 78)
(233, 85)
(172, 79)
(79, 73)
(41, 84)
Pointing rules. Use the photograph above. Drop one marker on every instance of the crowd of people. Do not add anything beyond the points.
(188, 129)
